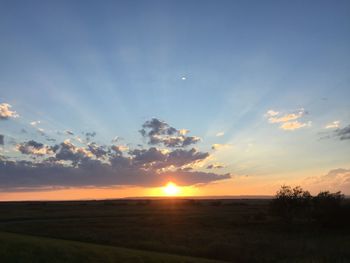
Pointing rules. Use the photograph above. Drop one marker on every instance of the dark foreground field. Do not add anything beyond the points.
(167, 230)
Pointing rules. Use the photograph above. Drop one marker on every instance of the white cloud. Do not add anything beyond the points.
(333, 125)
(5, 111)
(294, 125)
(34, 123)
(219, 134)
(334, 180)
(271, 113)
(288, 121)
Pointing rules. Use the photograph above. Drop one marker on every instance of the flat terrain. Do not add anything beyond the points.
(165, 230)
(23, 248)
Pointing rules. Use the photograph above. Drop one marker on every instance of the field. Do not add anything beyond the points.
(162, 230)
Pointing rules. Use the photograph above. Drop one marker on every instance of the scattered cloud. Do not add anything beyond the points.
(6, 113)
(334, 180)
(333, 125)
(288, 121)
(219, 134)
(69, 132)
(217, 146)
(34, 123)
(89, 136)
(271, 113)
(215, 166)
(343, 133)
(293, 125)
(34, 148)
(158, 132)
(41, 131)
(275, 117)
(92, 165)
(116, 139)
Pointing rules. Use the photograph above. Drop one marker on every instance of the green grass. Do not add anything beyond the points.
(230, 230)
(24, 248)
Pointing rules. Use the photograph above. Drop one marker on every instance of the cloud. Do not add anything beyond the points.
(274, 116)
(89, 135)
(92, 165)
(69, 132)
(332, 125)
(34, 148)
(217, 146)
(2, 141)
(334, 180)
(34, 123)
(29, 176)
(294, 125)
(6, 113)
(116, 139)
(183, 131)
(41, 131)
(219, 134)
(288, 121)
(271, 113)
(343, 133)
(215, 166)
(158, 132)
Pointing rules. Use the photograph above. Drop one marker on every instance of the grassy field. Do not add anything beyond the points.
(228, 230)
(23, 248)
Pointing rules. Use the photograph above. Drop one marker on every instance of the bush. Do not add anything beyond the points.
(295, 203)
(291, 203)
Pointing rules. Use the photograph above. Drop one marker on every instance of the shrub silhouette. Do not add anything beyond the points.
(293, 204)
(327, 207)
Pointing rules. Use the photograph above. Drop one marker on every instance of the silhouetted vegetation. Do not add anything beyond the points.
(297, 205)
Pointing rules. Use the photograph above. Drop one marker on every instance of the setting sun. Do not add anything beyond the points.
(171, 189)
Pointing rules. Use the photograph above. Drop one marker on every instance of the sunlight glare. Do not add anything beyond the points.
(171, 189)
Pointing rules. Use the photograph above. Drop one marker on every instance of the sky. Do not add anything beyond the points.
(116, 98)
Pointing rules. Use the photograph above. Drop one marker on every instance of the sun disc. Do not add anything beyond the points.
(171, 189)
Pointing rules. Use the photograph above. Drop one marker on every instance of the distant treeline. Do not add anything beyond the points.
(298, 205)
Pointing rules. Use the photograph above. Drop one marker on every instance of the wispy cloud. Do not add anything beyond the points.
(294, 125)
(333, 125)
(219, 134)
(334, 180)
(343, 133)
(288, 121)
(217, 146)
(34, 123)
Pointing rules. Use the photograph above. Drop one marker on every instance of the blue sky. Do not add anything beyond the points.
(207, 66)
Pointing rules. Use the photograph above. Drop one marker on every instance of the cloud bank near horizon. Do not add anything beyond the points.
(169, 156)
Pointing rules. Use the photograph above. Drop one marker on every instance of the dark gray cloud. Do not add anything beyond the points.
(33, 148)
(215, 166)
(66, 151)
(89, 135)
(158, 132)
(69, 132)
(2, 141)
(343, 133)
(67, 165)
(32, 176)
(97, 150)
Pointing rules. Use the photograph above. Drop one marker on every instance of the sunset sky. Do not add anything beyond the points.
(117, 98)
